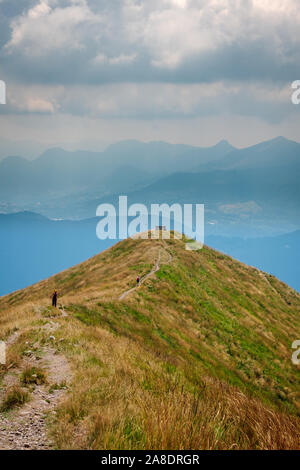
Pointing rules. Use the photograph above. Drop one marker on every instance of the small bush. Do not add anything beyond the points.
(33, 375)
(15, 396)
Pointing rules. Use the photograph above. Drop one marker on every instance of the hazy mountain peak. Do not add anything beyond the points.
(53, 152)
(280, 139)
(24, 216)
(13, 160)
(224, 144)
(277, 141)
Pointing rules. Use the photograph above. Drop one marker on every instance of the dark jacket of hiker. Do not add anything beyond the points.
(54, 298)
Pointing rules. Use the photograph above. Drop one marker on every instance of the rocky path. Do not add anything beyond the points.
(26, 427)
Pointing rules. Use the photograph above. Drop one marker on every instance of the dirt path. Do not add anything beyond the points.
(12, 339)
(144, 278)
(261, 274)
(62, 311)
(26, 427)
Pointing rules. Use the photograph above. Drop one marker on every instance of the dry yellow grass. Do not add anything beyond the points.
(198, 357)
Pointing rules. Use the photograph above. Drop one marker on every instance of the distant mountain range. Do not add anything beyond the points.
(246, 192)
(275, 153)
(243, 196)
(121, 167)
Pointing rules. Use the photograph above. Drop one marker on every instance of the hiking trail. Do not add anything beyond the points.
(144, 278)
(25, 427)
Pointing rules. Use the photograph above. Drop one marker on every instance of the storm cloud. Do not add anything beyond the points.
(154, 59)
(191, 41)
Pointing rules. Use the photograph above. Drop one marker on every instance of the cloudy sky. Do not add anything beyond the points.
(83, 73)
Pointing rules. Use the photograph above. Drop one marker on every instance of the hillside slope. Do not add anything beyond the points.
(198, 356)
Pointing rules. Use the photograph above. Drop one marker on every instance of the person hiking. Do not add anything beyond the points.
(54, 298)
(138, 280)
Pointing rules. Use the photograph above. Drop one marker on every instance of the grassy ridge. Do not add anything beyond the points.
(199, 356)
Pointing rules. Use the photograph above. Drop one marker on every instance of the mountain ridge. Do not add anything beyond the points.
(29, 237)
(204, 345)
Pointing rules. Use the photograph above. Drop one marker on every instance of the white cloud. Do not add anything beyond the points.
(47, 27)
(154, 59)
(174, 30)
(39, 106)
(35, 99)
(151, 100)
(169, 30)
(41, 9)
(283, 7)
(122, 59)
(177, 3)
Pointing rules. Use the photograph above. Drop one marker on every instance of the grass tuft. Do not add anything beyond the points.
(33, 375)
(14, 397)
